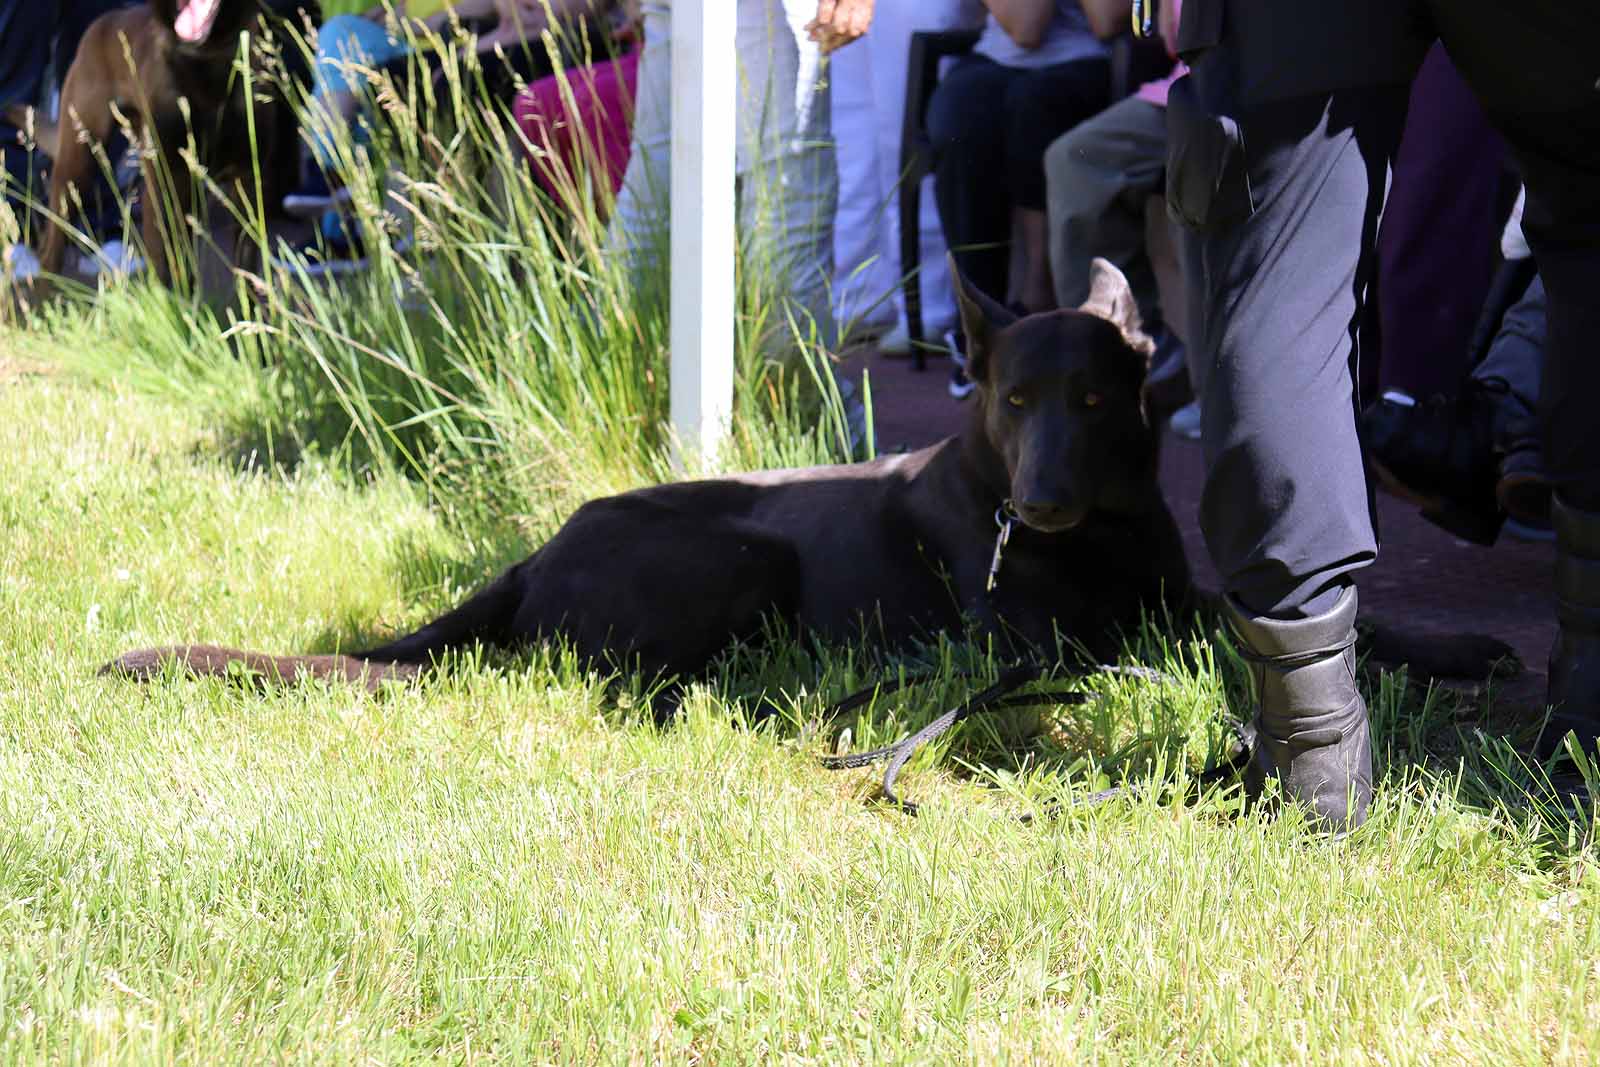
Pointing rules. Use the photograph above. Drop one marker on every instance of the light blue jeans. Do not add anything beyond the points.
(787, 184)
(343, 41)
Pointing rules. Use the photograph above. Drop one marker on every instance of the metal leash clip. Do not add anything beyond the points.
(1004, 515)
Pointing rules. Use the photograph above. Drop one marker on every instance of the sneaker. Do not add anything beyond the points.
(960, 386)
(1440, 455)
(338, 249)
(1185, 422)
(896, 340)
(20, 263)
(113, 257)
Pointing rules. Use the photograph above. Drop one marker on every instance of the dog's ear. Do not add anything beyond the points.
(981, 318)
(1111, 298)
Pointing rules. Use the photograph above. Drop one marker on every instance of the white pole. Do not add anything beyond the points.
(704, 95)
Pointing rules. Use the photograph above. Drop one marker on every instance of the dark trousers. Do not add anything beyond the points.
(28, 29)
(1284, 160)
(990, 125)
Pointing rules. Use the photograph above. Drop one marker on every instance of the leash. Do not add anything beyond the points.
(1000, 696)
(1003, 695)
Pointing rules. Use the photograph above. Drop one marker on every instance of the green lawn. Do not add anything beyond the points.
(508, 862)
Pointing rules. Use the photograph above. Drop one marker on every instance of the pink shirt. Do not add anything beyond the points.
(1156, 92)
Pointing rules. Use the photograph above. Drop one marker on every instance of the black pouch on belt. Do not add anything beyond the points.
(1208, 184)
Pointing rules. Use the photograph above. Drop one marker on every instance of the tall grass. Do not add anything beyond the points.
(497, 348)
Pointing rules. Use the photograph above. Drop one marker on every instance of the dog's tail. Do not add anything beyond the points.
(486, 616)
(214, 661)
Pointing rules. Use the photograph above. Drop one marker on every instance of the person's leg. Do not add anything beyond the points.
(865, 268)
(642, 218)
(26, 27)
(1435, 251)
(1533, 67)
(1038, 107)
(1285, 509)
(968, 141)
(344, 43)
(1516, 358)
(788, 180)
(889, 41)
(1098, 176)
(1284, 169)
(1469, 457)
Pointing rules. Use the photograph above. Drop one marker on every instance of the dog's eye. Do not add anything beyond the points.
(1017, 400)
(1091, 400)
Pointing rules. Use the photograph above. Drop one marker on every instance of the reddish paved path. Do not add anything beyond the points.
(1424, 578)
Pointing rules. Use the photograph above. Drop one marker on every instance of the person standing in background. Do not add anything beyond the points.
(1281, 146)
(869, 98)
(787, 184)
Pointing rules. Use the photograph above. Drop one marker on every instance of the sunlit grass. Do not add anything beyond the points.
(511, 861)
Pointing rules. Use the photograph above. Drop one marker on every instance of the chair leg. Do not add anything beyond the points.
(910, 261)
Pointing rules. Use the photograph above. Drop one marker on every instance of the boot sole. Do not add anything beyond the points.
(1525, 497)
(1446, 514)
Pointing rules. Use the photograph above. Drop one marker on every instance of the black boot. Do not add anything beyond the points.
(1575, 658)
(1440, 455)
(1311, 724)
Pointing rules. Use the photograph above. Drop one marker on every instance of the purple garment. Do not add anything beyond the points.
(1438, 237)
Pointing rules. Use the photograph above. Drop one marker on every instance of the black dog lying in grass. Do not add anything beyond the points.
(664, 579)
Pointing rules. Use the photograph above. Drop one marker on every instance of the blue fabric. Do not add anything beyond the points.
(346, 39)
(1066, 39)
(26, 27)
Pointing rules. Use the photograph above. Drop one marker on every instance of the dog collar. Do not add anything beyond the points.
(1004, 516)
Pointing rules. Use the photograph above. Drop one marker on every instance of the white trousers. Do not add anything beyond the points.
(869, 96)
(787, 183)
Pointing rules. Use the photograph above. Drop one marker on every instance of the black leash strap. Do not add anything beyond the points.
(1000, 696)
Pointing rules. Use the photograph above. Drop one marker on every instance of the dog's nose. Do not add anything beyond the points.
(1049, 515)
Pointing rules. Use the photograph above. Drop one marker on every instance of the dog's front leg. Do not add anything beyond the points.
(85, 121)
(168, 200)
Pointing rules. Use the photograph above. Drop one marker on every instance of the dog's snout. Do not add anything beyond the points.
(1049, 513)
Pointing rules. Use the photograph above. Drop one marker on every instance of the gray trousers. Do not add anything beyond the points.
(1279, 153)
(1516, 356)
(1098, 176)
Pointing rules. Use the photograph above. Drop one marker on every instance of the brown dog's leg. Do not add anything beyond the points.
(85, 113)
(254, 190)
(167, 204)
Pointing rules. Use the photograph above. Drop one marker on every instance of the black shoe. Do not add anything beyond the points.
(1575, 658)
(1311, 727)
(1440, 454)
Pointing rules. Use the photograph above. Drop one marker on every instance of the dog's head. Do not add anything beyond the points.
(1061, 402)
(206, 23)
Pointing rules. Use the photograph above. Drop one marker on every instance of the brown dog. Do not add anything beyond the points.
(151, 64)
